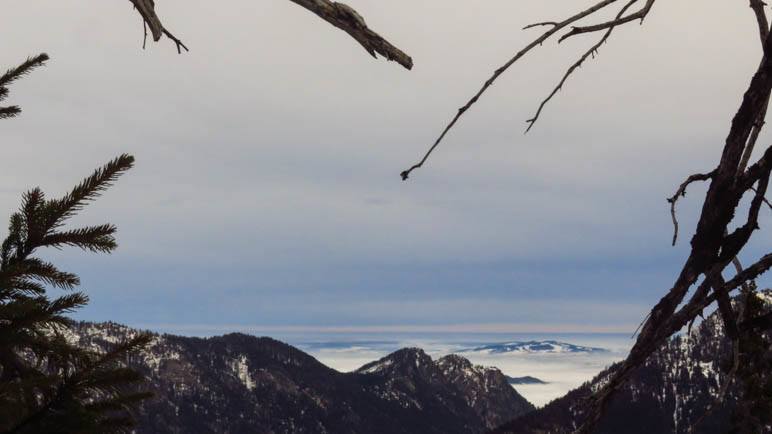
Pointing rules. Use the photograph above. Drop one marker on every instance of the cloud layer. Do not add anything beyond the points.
(267, 188)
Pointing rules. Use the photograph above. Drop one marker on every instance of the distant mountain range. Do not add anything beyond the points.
(533, 347)
(524, 380)
(243, 384)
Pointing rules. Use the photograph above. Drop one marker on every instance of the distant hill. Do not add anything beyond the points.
(524, 380)
(533, 347)
(243, 384)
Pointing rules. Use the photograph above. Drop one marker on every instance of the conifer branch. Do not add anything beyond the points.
(48, 379)
(25, 68)
(9, 112)
(89, 189)
(95, 239)
(14, 74)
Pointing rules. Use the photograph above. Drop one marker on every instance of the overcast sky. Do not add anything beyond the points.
(267, 190)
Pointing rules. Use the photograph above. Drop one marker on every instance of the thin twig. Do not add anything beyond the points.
(639, 15)
(637, 329)
(681, 192)
(543, 23)
(591, 52)
(536, 42)
(177, 42)
(144, 39)
(764, 199)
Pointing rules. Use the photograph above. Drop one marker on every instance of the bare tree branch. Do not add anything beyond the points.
(338, 14)
(543, 23)
(766, 201)
(347, 19)
(681, 192)
(711, 249)
(756, 171)
(591, 52)
(761, 18)
(749, 273)
(639, 15)
(536, 42)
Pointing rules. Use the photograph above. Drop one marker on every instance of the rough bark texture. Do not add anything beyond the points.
(339, 15)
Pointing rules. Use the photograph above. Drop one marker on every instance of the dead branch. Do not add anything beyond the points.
(702, 299)
(750, 273)
(766, 201)
(338, 14)
(176, 41)
(146, 9)
(757, 126)
(639, 15)
(347, 19)
(761, 18)
(536, 42)
(543, 23)
(681, 192)
(756, 171)
(711, 249)
(591, 52)
(736, 240)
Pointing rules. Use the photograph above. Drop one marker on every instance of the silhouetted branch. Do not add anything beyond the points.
(681, 192)
(711, 249)
(14, 74)
(761, 18)
(338, 14)
(536, 42)
(766, 201)
(543, 23)
(347, 19)
(639, 15)
(591, 52)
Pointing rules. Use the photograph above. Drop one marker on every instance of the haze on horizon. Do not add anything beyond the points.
(267, 194)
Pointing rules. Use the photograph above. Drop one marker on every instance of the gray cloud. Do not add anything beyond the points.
(268, 157)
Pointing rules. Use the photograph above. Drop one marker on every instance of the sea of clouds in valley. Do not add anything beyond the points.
(561, 370)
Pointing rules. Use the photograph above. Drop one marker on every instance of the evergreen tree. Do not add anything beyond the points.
(754, 412)
(48, 384)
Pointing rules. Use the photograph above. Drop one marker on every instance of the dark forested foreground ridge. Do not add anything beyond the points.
(243, 384)
(676, 390)
(239, 383)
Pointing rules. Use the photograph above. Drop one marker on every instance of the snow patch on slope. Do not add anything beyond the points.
(240, 368)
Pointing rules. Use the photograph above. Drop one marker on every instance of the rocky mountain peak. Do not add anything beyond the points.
(241, 383)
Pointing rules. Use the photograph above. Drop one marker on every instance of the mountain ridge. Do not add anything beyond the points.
(670, 393)
(241, 383)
